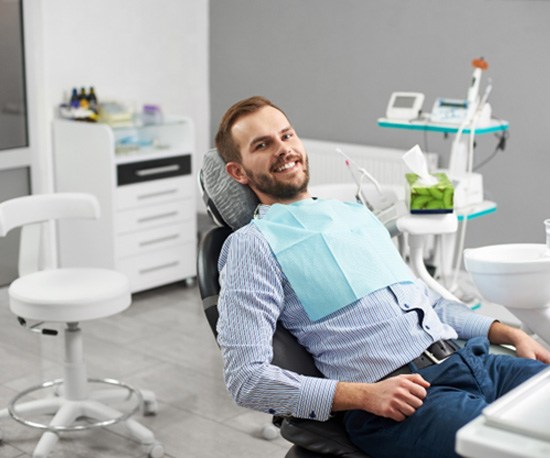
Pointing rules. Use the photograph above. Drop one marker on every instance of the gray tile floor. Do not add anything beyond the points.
(161, 343)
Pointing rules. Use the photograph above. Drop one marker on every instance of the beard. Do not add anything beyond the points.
(276, 189)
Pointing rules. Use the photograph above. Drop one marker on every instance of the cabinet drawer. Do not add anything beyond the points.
(154, 216)
(159, 267)
(137, 172)
(154, 192)
(153, 239)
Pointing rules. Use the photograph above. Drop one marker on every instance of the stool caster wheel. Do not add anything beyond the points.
(155, 450)
(150, 408)
(270, 432)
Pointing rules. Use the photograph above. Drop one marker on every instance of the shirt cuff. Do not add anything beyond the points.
(477, 325)
(316, 397)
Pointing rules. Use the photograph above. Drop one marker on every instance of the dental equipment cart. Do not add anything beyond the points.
(515, 426)
(468, 185)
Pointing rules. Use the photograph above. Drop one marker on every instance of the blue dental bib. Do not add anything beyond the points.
(333, 253)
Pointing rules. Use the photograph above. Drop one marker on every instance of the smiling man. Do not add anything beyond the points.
(273, 162)
(330, 274)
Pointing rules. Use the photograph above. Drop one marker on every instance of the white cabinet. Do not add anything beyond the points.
(143, 179)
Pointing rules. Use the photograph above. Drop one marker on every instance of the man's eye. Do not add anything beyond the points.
(287, 136)
(260, 146)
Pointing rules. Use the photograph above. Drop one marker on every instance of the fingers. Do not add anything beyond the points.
(543, 356)
(407, 396)
(417, 378)
(533, 350)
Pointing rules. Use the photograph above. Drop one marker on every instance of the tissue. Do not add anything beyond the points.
(427, 193)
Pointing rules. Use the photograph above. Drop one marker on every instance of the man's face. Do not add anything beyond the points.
(274, 163)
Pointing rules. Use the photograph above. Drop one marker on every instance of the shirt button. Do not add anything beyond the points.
(406, 306)
(312, 414)
(427, 328)
(272, 411)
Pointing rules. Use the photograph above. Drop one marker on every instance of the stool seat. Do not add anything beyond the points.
(70, 295)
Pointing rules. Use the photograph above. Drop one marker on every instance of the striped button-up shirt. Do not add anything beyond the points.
(361, 342)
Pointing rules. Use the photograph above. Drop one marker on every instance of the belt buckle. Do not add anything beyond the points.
(433, 358)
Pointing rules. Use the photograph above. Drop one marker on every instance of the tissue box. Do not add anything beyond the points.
(430, 199)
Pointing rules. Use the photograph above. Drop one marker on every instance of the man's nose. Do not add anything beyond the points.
(282, 148)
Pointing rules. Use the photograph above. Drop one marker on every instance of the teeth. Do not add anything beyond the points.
(287, 166)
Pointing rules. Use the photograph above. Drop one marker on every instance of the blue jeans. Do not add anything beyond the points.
(460, 388)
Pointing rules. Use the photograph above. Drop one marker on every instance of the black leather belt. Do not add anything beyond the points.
(436, 353)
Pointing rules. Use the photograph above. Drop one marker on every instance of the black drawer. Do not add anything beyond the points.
(137, 172)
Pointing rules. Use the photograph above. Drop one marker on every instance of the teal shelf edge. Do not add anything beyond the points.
(497, 126)
(478, 214)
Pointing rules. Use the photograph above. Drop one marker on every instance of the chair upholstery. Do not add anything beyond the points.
(68, 295)
(228, 203)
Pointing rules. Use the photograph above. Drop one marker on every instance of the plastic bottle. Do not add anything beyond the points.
(74, 102)
(92, 100)
(83, 98)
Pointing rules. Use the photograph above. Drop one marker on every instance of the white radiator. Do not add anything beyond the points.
(384, 164)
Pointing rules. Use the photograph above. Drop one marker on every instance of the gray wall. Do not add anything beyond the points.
(332, 65)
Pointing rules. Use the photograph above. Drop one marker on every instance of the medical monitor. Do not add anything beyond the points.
(404, 105)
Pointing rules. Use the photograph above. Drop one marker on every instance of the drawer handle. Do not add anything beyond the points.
(157, 170)
(159, 240)
(157, 194)
(160, 267)
(154, 217)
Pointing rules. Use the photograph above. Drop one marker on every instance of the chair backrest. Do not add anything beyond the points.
(228, 203)
(33, 213)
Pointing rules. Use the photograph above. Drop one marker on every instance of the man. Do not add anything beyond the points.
(371, 346)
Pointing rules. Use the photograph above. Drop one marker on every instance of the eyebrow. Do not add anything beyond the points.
(266, 137)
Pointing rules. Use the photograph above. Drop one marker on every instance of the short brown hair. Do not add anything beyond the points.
(225, 143)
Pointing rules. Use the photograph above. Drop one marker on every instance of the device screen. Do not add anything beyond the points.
(453, 104)
(403, 102)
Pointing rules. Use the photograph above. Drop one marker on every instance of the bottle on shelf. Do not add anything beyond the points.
(74, 101)
(92, 100)
(83, 98)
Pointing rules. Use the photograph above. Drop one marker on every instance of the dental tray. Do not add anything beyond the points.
(525, 409)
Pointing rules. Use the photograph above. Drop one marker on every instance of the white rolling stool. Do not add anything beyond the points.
(44, 294)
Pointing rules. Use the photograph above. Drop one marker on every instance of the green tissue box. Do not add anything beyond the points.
(430, 199)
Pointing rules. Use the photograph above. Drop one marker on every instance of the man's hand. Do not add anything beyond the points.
(396, 397)
(526, 346)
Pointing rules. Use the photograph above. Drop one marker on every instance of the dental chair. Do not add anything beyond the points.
(44, 296)
(231, 206)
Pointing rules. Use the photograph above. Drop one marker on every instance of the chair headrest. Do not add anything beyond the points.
(228, 203)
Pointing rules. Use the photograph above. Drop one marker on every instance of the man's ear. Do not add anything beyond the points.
(236, 171)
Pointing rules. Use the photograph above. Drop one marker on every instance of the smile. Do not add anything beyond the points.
(286, 166)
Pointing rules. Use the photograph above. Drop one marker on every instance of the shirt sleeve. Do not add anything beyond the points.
(460, 317)
(251, 300)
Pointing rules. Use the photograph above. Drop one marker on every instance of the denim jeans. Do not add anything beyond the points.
(460, 388)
